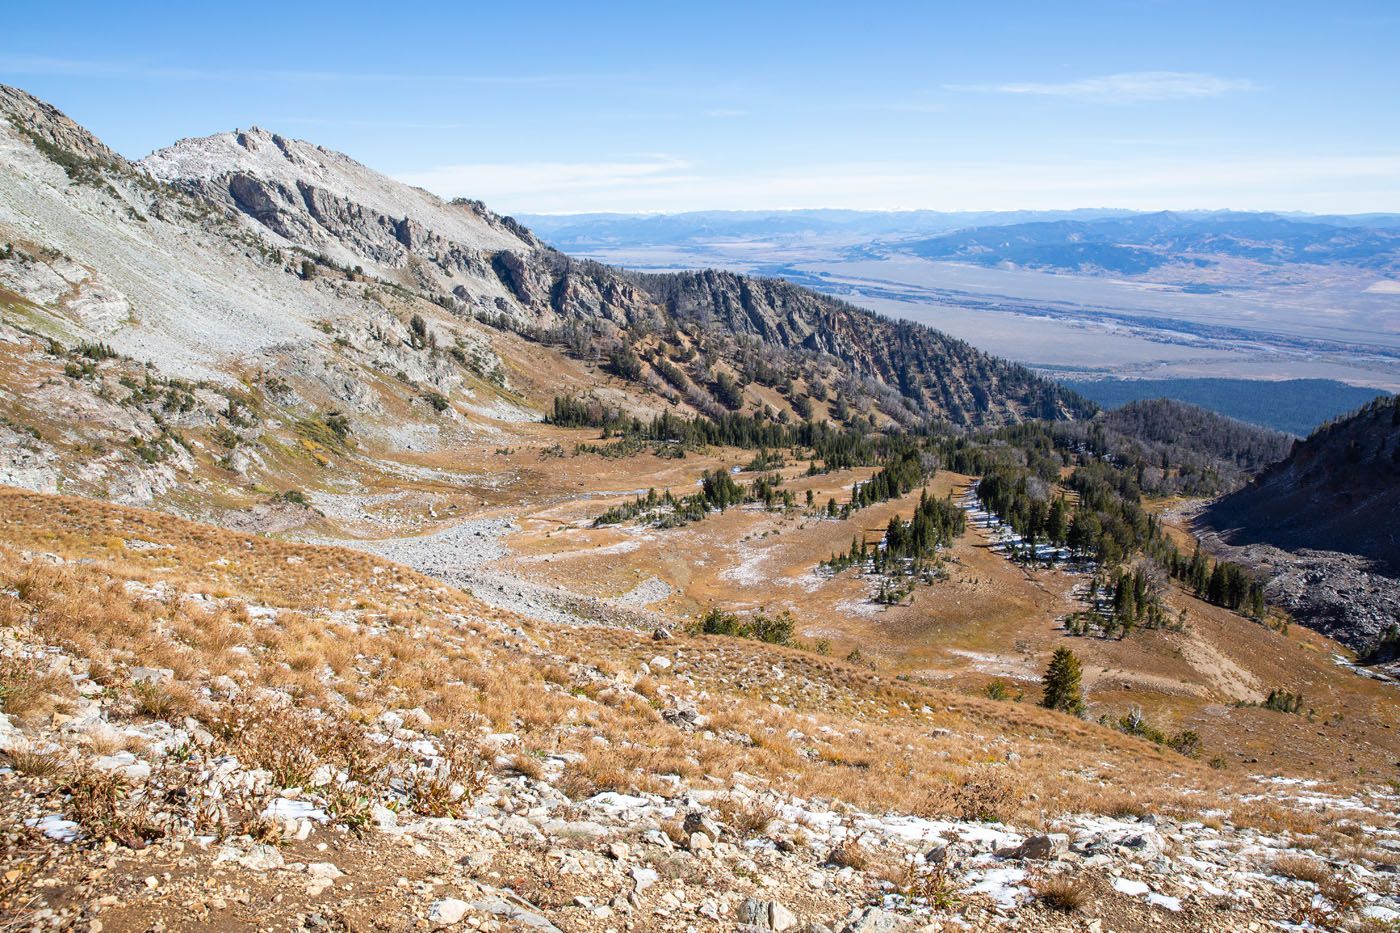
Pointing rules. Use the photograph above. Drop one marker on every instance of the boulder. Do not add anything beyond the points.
(874, 920)
(447, 912)
(766, 915)
(1043, 847)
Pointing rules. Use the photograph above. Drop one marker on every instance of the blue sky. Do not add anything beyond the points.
(555, 107)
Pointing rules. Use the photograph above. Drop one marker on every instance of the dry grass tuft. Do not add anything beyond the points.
(26, 693)
(1061, 892)
(991, 795)
(593, 776)
(1302, 868)
(849, 853)
(34, 764)
(675, 831)
(745, 817)
(169, 703)
(527, 765)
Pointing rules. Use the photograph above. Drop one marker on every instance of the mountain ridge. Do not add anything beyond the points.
(330, 203)
(1338, 490)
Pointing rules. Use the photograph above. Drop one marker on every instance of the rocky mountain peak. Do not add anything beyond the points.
(326, 202)
(46, 125)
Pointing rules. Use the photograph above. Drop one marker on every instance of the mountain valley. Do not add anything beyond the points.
(370, 564)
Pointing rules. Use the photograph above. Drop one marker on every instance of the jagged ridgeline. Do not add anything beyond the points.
(695, 338)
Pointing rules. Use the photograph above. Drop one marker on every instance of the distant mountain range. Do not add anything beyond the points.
(1087, 240)
(1140, 243)
(573, 231)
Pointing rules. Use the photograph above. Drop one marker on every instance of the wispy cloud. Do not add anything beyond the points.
(24, 64)
(722, 112)
(1125, 87)
(664, 183)
(538, 182)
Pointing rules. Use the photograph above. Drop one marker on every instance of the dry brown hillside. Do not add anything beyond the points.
(203, 727)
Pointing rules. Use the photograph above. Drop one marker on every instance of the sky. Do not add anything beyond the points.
(1290, 105)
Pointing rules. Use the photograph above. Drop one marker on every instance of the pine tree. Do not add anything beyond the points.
(1061, 682)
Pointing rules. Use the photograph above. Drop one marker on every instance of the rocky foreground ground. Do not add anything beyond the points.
(132, 800)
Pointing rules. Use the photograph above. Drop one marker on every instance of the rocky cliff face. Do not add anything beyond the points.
(323, 202)
(49, 129)
(1324, 526)
(307, 198)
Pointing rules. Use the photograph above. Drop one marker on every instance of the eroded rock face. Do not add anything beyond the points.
(324, 202)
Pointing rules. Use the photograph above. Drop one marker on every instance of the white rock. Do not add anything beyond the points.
(259, 858)
(10, 737)
(56, 827)
(151, 675)
(780, 918)
(447, 911)
(125, 764)
(293, 810)
(644, 877)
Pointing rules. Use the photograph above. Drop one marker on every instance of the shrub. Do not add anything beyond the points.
(1000, 690)
(1284, 701)
(745, 817)
(774, 629)
(98, 802)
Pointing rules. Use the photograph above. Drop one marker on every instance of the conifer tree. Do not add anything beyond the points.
(1062, 677)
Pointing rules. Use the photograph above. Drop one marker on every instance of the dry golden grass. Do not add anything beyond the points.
(1302, 868)
(28, 693)
(1275, 818)
(169, 703)
(840, 732)
(745, 817)
(1061, 892)
(33, 763)
(988, 795)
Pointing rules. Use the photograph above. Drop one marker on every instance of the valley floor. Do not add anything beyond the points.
(536, 551)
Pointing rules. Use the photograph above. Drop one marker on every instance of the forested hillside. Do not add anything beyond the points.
(1207, 449)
